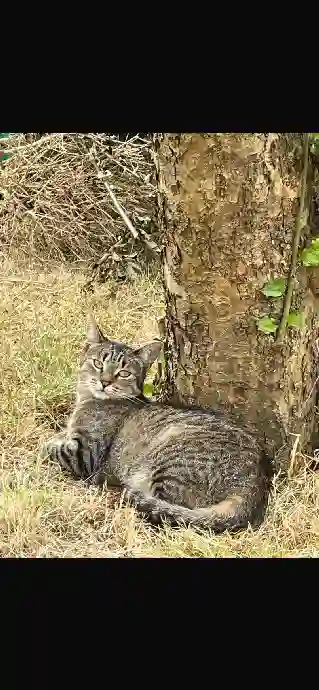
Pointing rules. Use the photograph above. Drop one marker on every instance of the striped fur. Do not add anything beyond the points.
(183, 466)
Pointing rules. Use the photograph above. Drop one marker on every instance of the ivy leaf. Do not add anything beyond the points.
(5, 135)
(295, 319)
(310, 255)
(148, 389)
(314, 148)
(274, 288)
(267, 325)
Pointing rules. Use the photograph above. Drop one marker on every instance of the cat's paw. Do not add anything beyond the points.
(64, 450)
(53, 446)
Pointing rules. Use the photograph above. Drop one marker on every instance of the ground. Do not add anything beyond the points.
(44, 513)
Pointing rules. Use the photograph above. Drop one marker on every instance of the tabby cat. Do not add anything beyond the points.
(180, 465)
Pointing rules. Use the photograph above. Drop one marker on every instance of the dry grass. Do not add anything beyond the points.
(45, 514)
(57, 199)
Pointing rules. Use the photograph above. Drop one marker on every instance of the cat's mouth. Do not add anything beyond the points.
(107, 391)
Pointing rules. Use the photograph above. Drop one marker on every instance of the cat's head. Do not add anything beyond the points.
(110, 369)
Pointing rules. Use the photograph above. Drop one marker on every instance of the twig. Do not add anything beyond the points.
(293, 456)
(119, 208)
(295, 246)
(150, 243)
(116, 162)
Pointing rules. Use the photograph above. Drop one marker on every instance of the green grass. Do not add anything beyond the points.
(44, 513)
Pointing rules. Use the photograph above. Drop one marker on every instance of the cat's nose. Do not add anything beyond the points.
(107, 381)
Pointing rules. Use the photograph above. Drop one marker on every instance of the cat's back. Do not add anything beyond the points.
(155, 429)
(153, 419)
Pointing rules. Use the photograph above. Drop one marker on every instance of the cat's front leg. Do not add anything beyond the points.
(64, 450)
(53, 445)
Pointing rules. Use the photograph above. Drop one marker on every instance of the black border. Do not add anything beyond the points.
(155, 618)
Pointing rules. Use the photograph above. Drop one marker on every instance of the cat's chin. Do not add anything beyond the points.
(101, 395)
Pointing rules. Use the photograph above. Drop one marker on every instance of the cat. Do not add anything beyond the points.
(185, 466)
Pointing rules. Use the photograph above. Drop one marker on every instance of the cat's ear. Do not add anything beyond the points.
(150, 352)
(94, 333)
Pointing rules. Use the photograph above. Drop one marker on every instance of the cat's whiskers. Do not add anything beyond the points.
(135, 399)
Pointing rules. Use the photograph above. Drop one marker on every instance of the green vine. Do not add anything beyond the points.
(296, 241)
(3, 155)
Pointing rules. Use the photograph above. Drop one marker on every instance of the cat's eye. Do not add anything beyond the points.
(124, 374)
(98, 364)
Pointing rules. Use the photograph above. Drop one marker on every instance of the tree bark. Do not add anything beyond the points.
(228, 205)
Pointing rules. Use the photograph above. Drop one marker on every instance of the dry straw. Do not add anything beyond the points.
(79, 198)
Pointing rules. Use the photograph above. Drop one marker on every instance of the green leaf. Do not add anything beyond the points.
(274, 288)
(295, 319)
(314, 139)
(310, 255)
(148, 388)
(4, 135)
(267, 325)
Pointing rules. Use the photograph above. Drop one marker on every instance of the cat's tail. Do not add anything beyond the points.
(233, 513)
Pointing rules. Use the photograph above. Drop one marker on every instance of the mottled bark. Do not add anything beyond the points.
(228, 205)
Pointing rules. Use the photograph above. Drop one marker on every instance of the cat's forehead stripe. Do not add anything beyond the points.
(115, 353)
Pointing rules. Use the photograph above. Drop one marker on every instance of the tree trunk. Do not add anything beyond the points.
(228, 206)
